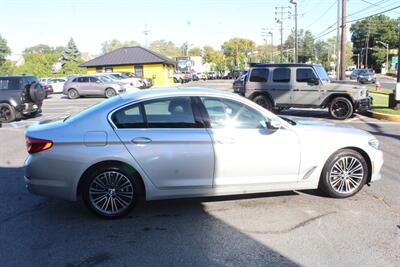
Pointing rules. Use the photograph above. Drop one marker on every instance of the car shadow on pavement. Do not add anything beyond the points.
(39, 231)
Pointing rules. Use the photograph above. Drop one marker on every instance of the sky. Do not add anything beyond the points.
(25, 23)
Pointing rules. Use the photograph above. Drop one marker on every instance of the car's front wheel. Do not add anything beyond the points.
(344, 174)
(110, 92)
(111, 191)
(341, 108)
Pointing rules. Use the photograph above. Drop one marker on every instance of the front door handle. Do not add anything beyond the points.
(141, 140)
(296, 89)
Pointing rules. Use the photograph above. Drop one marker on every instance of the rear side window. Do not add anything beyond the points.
(10, 83)
(281, 75)
(305, 75)
(83, 79)
(259, 75)
(173, 112)
(129, 117)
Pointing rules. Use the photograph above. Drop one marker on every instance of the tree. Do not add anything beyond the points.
(114, 44)
(166, 48)
(209, 54)
(70, 53)
(235, 51)
(370, 30)
(195, 51)
(4, 50)
(40, 65)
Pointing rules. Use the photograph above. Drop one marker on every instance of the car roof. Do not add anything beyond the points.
(176, 91)
(255, 64)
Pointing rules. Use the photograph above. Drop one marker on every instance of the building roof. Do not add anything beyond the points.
(128, 56)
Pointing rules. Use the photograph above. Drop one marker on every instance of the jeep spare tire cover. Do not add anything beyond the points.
(37, 93)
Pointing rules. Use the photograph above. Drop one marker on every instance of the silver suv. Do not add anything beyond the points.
(282, 86)
(91, 85)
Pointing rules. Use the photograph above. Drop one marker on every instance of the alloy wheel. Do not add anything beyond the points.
(346, 175)
(111, 192)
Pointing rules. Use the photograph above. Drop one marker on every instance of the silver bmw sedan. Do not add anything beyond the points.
(186, 142)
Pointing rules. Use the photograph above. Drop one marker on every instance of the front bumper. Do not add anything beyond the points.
(376, 157)
(363, 104)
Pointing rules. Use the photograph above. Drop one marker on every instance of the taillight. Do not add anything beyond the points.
(35, 145)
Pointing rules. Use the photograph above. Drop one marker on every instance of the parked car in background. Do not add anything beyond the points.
(20, 96)
(354, 74)
(57, 84)
(123, 77)
(366, 76)
(182, 77)
(91, 85)
(47, 88)
(281, 86)
(238, 84)
(146, 82)
(211, 75)
(173, 143)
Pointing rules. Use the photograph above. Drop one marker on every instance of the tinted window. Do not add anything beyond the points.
(305, 75)
(129, 117)
(83, 79)
(281, 75)
(93, 79)
(259, 75)
(10, 83)
(322, 73)
(224, 113)
(170, 113)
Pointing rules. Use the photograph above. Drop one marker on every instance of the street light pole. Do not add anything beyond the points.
(272, 46)
(387, 54)
(397, 89)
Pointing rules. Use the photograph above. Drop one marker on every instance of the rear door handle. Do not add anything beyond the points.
(296, 89)
(226, 140)
(141, 140)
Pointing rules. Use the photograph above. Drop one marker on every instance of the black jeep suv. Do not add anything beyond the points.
(20, 96)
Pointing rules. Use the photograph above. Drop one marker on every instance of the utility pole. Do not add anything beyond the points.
(296, 43)
(342, 74)
(387, 54)
(367, 45)
(337, 69)
(272, 46)
(279, 19)
(397, 89)
(264, 33)
(146, 33)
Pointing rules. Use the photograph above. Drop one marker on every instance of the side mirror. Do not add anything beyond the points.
(98, 81)
(313, 81)
(274, 124)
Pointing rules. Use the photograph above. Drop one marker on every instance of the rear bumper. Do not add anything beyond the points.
(363, 104)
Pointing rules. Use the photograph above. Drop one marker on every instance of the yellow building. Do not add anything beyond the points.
(139, 60)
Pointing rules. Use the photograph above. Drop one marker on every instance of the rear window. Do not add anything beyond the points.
(281, 75)
(259, 75)
(10, 83)
(129, 117)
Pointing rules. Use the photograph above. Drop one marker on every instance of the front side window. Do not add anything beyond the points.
(304, 75)
(173, 112)
(129, 117)
(259, 75)
(224, 113)
(281, 75)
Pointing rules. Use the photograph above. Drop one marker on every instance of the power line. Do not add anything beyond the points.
(377, 5)
(379, 13)
(323, 14)
(365, 8)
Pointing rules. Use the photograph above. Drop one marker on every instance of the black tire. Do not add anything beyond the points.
(176, 80)
(264, 102)
(73, 93)
(328, 183)
(7, 113)
(341, 108)
(132, 183)
(110, 92)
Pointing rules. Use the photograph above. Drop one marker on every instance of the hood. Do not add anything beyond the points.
(344, 87)
(310, 127)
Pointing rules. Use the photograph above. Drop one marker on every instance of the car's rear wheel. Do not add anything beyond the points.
(111, 191)
(263, 101)
(344, 174)
(7, 113)
(73, 94)
(110, 92)
(341, 108)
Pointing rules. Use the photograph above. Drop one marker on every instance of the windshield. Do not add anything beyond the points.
(124, 76)
(105, 79)
(322, 73)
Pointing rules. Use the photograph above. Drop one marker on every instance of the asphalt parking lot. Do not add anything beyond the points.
(283, 229)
